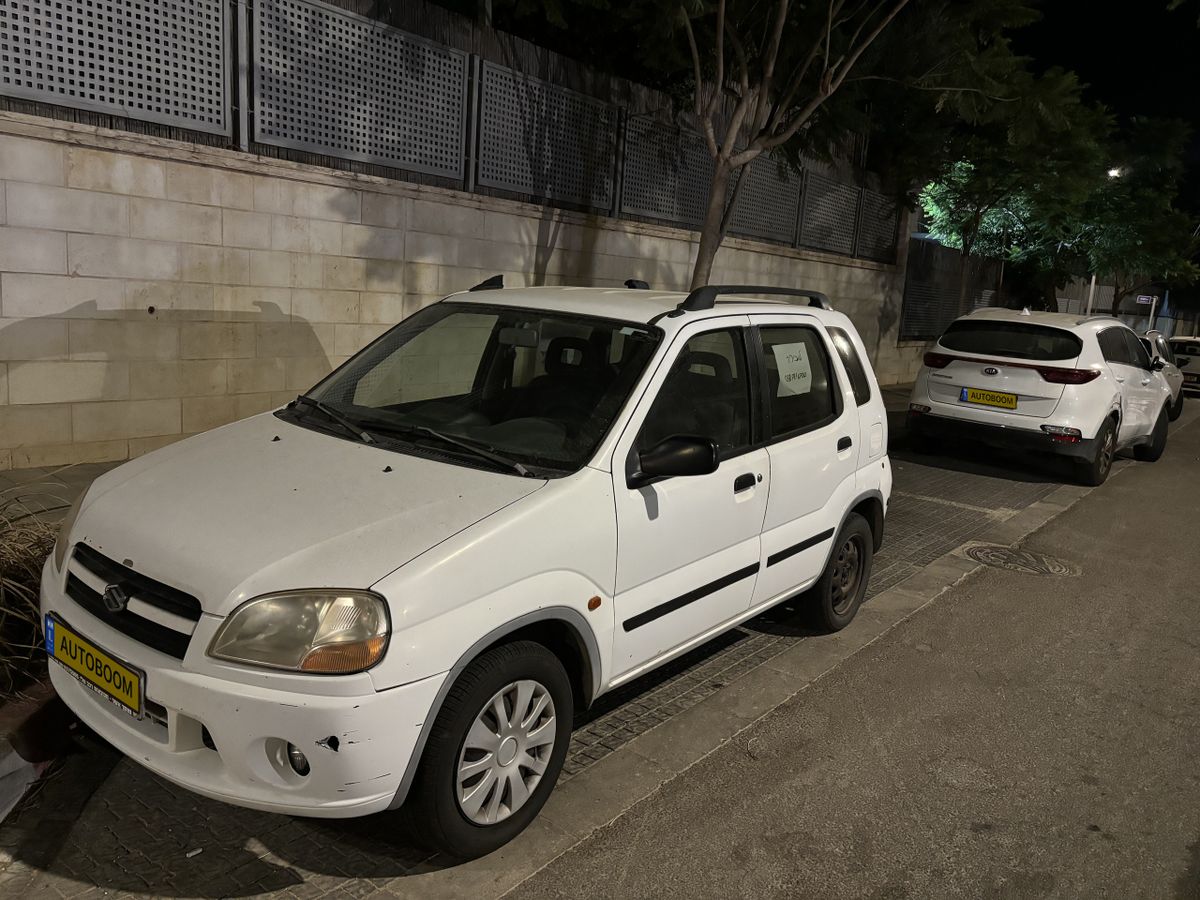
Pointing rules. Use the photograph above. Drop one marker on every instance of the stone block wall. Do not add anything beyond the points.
(150, 289)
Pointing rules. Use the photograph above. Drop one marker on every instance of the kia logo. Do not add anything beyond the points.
(115, 598)
(991, 370)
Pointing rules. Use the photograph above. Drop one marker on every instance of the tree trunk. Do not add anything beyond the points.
(711, 233)
(1118, 295)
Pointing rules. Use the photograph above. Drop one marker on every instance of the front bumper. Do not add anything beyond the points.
(374, 733)
(936, 427)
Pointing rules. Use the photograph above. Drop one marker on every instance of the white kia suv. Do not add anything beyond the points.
(1083, 388)
(397, 590)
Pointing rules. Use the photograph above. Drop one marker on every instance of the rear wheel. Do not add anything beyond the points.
(494, 753)
(839, 592)
(1094, 471)
(1176, 408)
(1158, 440)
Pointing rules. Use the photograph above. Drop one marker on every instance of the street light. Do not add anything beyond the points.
(1115, 172)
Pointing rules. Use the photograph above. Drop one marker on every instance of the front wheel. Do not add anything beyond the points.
(1158, 441)
(839, 592)
(494, 753)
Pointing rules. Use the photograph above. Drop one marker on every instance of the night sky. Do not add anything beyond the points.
(1136, 57)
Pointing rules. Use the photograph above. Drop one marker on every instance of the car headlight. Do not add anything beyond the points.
(326, 631)
(63, 543)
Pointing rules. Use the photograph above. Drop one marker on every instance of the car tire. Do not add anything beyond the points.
(1094, 472)
(838, 593)
(1176, 408)
(446, 809)
(1158, 440)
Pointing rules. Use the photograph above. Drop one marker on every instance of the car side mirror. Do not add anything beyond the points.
(681, 454)
(1157, 364)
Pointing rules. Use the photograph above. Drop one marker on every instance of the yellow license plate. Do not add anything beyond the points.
(108, 676)
(989, 398)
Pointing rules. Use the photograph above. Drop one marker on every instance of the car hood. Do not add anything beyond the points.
(265, 505)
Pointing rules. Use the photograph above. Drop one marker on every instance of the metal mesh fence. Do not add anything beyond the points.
(332, 82)
(545, 141)
(161, 61)
(327, 85)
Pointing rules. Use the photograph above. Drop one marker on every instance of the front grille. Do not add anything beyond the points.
(154, 593)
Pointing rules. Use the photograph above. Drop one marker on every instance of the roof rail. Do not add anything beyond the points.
(495, 283)
(706, 297)
(636, 284)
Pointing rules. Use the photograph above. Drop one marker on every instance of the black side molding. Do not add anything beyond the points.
(657, 612)
(797, 548)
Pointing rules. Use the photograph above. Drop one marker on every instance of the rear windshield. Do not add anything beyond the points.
(1013, 339)
(1187, 348)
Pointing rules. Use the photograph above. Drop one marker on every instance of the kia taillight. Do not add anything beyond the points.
(938, 360)
(1069, 376)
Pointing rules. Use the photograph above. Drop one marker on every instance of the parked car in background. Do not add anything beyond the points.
(1187, 357)
(1083, 388)
(1158, 348)
(397, 590)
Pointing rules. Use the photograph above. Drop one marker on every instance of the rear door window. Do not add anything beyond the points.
(1015, 340)
(802, 393)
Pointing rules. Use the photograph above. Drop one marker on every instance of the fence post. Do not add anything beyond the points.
(858, 215)
(243, 73)
(800, 208)
(472, 111)
(618, 164)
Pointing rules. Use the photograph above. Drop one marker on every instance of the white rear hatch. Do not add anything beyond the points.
(1003, 366)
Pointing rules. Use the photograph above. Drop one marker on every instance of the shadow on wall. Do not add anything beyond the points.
(252, 359)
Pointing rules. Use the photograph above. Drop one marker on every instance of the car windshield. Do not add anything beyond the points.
(1017, 340)
(531, 387)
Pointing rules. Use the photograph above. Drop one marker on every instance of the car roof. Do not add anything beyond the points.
(1067, 321)
(633, 305)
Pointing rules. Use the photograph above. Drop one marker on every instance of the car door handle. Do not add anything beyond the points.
(845, 444)
(1119, 379)
(743, 483)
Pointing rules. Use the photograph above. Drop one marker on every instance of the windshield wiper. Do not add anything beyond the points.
(477, 450)
(336, 416)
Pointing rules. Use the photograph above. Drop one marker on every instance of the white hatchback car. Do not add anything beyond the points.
(1186, 351)
(1083, 388)
(399, 589)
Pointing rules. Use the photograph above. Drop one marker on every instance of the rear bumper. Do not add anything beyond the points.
(1022, 439)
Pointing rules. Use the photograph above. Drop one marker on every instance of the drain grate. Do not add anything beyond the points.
(1015, 560)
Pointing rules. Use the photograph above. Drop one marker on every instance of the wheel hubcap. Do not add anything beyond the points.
(847, 570)
(506, 752)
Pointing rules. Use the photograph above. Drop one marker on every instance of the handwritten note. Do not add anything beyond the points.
(795, 373)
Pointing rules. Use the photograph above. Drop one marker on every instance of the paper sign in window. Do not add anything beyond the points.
(795, 373)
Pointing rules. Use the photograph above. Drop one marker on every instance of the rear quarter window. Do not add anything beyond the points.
(1016, 340)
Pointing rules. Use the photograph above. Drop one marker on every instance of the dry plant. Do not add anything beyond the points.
(28, 527)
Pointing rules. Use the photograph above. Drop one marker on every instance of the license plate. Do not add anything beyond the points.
(988, 398)
(116, 681)
(1191, 379)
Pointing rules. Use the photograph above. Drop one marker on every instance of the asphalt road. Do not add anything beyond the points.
(1024, 736)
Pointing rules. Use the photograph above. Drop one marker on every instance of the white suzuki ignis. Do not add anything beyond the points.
(398, 590)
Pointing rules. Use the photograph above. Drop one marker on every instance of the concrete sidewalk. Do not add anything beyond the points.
(1027, 735)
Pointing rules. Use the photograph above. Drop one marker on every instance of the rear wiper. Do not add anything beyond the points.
(336, 416)
(478, 450)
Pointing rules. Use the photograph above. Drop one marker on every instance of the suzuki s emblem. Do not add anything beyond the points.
(991, 370)
(115, 598)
